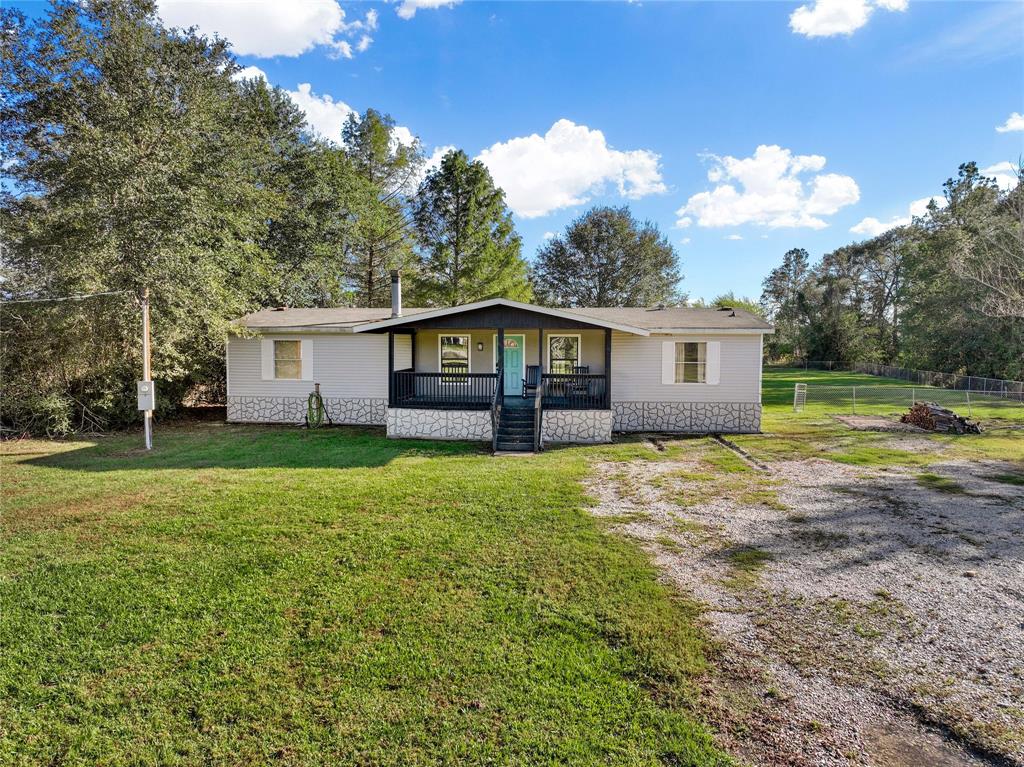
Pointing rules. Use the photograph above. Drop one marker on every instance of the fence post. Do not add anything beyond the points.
(913, 396)
(969, 411)
(855, 400)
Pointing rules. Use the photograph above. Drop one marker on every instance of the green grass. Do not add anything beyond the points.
(268, 595)
(745, 565)
(940, 484)
(778, 385)
(814, 433)
(1008, 479)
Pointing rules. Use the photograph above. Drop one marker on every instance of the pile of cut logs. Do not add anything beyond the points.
(928, 415)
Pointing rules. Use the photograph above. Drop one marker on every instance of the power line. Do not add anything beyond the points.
(66, 298)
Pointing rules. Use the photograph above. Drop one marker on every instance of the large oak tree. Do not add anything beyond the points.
(607, 258)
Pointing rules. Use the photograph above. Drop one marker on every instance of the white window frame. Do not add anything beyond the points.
(298, 359)
(268, 356)
(547, 349)
(697, 364)
(469, 357)
(712, 362)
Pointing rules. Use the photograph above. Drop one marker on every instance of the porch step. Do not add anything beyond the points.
(515, 431)
(515, 447)
(525, 431)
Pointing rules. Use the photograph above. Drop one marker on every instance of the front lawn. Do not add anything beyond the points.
(246, 595)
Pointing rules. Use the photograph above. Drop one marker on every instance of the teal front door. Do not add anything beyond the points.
(514, 364)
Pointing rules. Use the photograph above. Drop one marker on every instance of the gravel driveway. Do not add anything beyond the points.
(866, 616)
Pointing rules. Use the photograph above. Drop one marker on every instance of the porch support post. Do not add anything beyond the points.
(391, 367)
(412, 342)
(540, 349)
(499, 356)
(608, 367)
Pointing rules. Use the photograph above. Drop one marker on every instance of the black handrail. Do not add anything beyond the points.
(446, 391)
(575, 391)
(538, 419)
(497, 403)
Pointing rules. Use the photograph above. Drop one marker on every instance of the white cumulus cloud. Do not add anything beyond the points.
(827, 18)
(567, 166)
(327, 117)
(407, 9)
(1014, 122)
(268, 28)
(872, 227)
(324, 115)
(734, 237)
(773, 187)
(1005, 174)
(250, 73)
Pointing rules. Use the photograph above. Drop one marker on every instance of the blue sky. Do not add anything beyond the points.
(862, 107)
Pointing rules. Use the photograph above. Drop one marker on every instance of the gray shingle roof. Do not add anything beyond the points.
(287, 318)
(655, 319)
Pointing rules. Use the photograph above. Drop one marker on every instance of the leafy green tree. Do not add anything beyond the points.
(471, 251)
(607, 258)
(382, 237)
(311, 241)
(132, 159)
(987, 231)
(942, 293)
(730, 299)
(784, 298)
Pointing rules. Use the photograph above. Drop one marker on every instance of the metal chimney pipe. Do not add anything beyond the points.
(396, 293)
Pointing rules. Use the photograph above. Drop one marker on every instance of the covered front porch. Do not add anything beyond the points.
(456, 368)
(515, 374)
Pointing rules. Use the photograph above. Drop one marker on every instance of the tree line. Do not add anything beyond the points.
(945, 292)
(136, 156)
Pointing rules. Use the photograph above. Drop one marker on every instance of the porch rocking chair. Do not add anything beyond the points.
(580, 387)
(532, 380)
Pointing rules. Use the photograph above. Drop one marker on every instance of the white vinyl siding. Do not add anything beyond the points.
(644, 369)
(344, 365)
(403, 351)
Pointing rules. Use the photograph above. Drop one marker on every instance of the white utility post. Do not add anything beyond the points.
(147, 394)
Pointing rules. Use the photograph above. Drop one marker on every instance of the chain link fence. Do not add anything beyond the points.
(891, 400)
(1005, 389)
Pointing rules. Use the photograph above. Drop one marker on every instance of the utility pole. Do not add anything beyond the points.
(146, 385)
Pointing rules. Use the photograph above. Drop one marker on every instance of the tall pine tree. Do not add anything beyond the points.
(382, 238)
(471, 251)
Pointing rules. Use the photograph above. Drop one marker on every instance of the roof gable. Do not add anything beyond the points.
(500, 312)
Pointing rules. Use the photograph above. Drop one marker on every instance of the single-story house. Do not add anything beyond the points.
(562, 375)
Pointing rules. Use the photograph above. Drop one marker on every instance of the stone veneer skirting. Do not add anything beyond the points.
(588, 426)
(439, 424)
(688, 417)
(362, 412)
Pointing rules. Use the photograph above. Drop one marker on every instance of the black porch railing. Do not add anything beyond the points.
(443, 391)
(574, 391)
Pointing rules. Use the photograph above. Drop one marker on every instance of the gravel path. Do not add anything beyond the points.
(865, 616)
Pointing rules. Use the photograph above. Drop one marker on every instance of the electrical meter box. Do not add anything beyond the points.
(147, 395)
